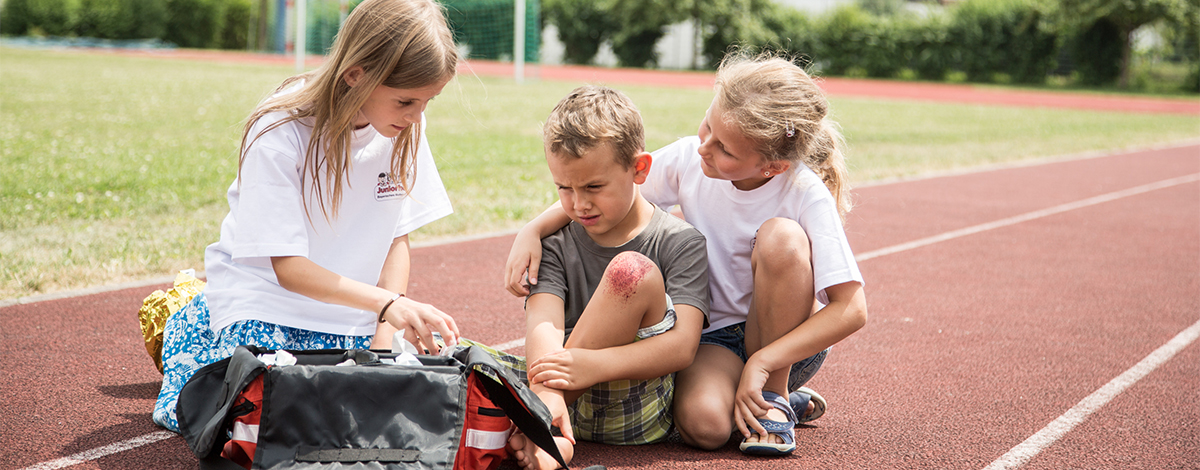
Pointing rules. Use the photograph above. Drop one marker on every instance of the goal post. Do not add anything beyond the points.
(497, 30)
(500, 30)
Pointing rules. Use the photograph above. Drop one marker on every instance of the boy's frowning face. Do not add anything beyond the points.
(597, 192)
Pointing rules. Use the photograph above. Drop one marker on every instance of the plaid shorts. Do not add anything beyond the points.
(620, 412)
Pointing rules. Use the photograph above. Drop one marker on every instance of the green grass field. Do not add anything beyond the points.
(115, 168)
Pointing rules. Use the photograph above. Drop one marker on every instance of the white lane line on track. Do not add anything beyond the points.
(1025, 451)
(157, 436)
(1016, 219)
(89, 455)
(510, 345)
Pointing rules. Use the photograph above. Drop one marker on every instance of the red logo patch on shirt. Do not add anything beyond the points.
(388, 188)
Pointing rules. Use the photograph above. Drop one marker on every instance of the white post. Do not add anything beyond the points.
(519, 41)
(301, 34)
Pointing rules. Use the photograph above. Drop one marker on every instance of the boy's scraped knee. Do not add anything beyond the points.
(626, 272)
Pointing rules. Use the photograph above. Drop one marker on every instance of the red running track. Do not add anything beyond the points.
(1062, 277)
(887, 89)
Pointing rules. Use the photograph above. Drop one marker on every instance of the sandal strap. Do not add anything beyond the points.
(780, 403)
(783, 429)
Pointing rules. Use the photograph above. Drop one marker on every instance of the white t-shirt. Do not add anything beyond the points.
(729, 217)
(267, 218)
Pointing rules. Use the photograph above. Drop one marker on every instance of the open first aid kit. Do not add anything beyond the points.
(360, 409)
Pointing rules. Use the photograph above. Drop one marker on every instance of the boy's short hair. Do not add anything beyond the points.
(592, 115)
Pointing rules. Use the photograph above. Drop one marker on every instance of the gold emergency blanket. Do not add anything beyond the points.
(159, 306)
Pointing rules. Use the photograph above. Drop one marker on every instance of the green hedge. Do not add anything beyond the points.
(981, 40)
(754, 25)
(987, 40)
(121, 19)
(1096, 53)
(47, 17)
(1002, 37)
(186, 23)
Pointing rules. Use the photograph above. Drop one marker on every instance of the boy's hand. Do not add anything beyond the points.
(525, 256)
(566, 369)
(559, 415)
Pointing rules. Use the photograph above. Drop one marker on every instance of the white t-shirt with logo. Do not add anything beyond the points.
(267, 218)
(729, 217)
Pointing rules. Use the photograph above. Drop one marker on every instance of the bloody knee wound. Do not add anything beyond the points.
(626, 272)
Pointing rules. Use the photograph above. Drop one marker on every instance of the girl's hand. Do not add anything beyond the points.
(566, 369)
(748, 402)
(419, 321)
(525, 256)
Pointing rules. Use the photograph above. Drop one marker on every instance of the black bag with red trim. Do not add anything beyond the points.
(341, 409)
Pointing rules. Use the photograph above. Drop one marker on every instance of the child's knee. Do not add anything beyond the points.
(781, 243)
(704, 434)
(630, 273)
(705, 425)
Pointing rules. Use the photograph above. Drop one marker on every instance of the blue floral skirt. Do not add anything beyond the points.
(189, 344)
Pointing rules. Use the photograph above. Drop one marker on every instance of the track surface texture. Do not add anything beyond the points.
(1040, 316)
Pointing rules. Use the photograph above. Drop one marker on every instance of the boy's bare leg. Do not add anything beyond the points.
(783, 295)
(631, 295)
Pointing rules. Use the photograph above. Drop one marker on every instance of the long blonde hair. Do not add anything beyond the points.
(398, 44)
(778, 106)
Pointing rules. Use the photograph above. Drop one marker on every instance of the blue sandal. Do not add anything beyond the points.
(799, 400)
(782, 429)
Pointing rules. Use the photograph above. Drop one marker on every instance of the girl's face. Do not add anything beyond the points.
(391, 110)
(728, 155)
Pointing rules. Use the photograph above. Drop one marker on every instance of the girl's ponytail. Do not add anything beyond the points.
(826, 159)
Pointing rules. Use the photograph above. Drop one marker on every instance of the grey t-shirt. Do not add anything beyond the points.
(573, 264)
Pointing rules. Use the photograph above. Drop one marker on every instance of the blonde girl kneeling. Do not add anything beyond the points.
(334, 173)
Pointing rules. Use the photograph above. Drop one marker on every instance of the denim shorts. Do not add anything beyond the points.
(733, 338)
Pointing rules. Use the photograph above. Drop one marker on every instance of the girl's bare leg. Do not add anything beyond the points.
(783, 295)
(703, 405)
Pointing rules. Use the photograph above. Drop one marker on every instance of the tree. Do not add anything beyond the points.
(744, 24)
(582, 26)
(1126, 15)
(642, 24)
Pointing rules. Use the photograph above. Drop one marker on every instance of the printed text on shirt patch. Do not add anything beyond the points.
(387, 188)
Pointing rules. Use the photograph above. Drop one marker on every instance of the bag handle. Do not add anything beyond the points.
(205, 400)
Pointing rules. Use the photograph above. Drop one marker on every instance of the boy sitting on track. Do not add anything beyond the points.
(622, 293)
